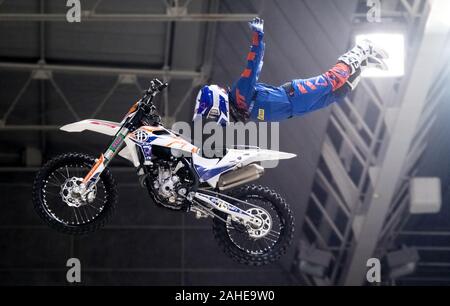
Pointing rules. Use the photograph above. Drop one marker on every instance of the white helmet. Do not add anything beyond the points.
(212, 103)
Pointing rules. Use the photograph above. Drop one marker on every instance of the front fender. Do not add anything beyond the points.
(99, 126)
(105, 127)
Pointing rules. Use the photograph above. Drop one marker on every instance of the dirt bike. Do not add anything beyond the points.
(75, 193)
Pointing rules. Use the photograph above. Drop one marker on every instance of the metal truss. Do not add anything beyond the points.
(176, 10)
(359, 199)
(100, 70)
(42, 71)
(89, 17)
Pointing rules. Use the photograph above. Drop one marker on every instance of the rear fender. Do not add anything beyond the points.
(210, 170)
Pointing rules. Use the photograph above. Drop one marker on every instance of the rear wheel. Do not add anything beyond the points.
(261, 244)
(59, 206)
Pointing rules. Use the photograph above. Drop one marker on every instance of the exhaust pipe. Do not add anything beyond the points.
(241, 176)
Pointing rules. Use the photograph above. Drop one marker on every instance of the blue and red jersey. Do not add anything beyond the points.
(274, 103)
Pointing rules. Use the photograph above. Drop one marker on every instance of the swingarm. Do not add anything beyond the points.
(235, 212)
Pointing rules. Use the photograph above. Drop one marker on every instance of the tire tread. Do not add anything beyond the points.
(221, 235)
(100, 220)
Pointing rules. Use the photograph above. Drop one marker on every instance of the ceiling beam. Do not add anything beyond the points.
(88, 16)
(100, 70)
(28, 127)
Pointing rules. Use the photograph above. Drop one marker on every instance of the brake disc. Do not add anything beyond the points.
(72, 198)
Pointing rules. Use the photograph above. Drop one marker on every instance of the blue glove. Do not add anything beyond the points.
(257, 25)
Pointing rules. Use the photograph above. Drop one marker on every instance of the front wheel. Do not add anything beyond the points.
(260, 245)
(56, 202)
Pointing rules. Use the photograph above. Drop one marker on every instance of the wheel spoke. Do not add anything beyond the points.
(97, 209)
(267, 238)
(75, 213)
(59, 172)
(56, 179)
(51, 193)
(259, 242)
(84, 209)
(274, 233)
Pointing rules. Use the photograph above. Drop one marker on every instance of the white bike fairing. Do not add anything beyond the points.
(209, 170)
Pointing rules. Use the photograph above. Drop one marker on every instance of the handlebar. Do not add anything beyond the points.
(156, 86)
(146, 102)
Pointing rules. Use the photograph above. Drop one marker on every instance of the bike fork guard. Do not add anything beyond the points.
(102, 162)
(92, 177)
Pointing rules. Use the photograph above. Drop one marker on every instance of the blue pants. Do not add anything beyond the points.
(296, 98)
(276, 104)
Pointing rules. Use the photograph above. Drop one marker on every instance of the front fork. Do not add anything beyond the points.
(91, 179)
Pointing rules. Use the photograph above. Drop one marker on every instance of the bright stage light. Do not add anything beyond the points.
(394, 44)
(441, 14)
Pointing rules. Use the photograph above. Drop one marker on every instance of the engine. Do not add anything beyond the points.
(169, 186)
(171, 183)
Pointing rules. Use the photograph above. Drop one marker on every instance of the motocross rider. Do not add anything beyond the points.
(252, 100)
